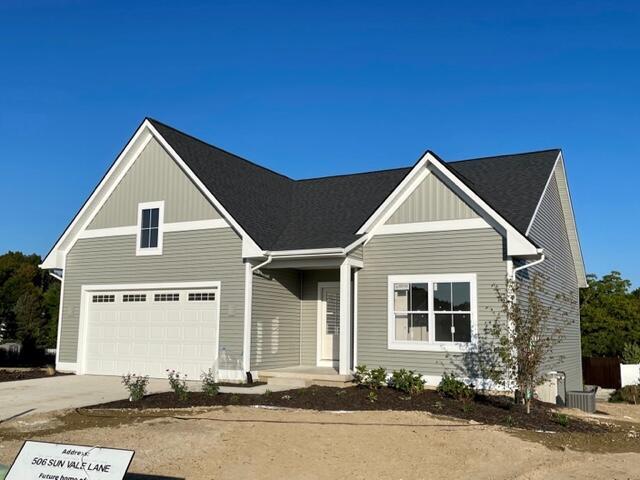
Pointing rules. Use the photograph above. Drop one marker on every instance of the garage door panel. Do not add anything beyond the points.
(147, 337)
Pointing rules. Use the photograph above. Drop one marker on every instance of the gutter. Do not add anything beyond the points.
(266, 262)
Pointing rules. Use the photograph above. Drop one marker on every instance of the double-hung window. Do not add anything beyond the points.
(432, 312)
(149, 237)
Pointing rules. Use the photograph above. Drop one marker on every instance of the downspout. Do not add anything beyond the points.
(266, 262)
(526, 265)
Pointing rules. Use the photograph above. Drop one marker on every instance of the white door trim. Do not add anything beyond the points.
(319, 361)
(84, 310)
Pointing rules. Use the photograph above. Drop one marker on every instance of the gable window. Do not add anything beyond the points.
(150, 220)
(432, 312)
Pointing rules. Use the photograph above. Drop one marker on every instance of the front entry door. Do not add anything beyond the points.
(329, 325)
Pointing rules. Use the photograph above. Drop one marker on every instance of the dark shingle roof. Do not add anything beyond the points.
(285, 214)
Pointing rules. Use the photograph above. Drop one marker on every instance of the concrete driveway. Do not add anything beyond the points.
(71, 391)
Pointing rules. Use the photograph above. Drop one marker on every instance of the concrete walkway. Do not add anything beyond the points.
(24, 397)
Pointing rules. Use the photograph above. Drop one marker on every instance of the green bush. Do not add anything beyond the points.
(628, 394)
(407, 381)
(450, 386)
(631, 353)
(136, 385)
(560, 419)
(178, 383)
(374, 378)
(209, 385)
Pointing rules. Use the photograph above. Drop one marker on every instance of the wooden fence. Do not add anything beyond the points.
(601, 371)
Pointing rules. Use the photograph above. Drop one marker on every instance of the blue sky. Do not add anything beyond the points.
(322, 88)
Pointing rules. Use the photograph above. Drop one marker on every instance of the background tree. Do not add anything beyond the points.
(29, 299)
(609, 315)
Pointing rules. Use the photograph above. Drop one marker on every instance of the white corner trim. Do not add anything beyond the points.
(248, 299)
(355, 318)
(60, 307)
(319, 312)
(436, 226)
(432, 345)
(150, 250)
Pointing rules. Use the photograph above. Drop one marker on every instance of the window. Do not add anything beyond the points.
(150, 220)
(103, 298)
(166, 297)
(202, 297)
(134, 297)
(431, 312)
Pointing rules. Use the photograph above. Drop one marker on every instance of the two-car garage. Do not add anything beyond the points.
(149, 330)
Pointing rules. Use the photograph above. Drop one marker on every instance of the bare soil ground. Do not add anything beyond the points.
(249, 442)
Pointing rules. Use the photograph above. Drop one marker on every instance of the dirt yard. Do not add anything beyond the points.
(248, 442)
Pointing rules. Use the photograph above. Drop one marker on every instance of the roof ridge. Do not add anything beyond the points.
(505, 155)
(262, 167)
(352, 174)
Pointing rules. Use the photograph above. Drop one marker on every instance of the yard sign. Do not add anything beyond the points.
(56, 461)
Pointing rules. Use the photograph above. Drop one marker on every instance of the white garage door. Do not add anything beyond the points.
(149, 331)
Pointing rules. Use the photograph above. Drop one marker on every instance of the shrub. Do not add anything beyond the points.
(178, 383)
(631, 353)
(407, 381)
(560, 419)
(628, 394)
(450, 386)
(209, 386)
(373, 396)
(374, 378)
(136, 385)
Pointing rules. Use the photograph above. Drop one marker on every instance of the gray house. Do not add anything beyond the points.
(186, 256)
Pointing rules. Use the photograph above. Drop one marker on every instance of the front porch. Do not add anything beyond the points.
(303, 321)
(303, 376)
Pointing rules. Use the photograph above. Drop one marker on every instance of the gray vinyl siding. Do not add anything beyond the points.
(549, 231)
(309, 314)
(204, 255)
(431, 201)
(275, 324)
(470, 251)
(357, 253)
(154, 176)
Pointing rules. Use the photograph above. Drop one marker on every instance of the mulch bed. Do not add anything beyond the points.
(24, 374)
(491, 410)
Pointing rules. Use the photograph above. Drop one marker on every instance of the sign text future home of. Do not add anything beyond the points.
(55, 461)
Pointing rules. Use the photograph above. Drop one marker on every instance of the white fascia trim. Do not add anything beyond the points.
(432, 346)
(544, 192)
(142, 136)
(438, 226)
(306, 253)
(236, 226)
(158, 249)
(99, 196)
(517, 244)
(393, 197)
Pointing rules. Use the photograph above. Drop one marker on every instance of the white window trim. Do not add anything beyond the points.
(144, 206)
(422, 346)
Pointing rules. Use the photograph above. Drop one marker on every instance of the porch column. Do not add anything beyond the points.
(345, 318)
